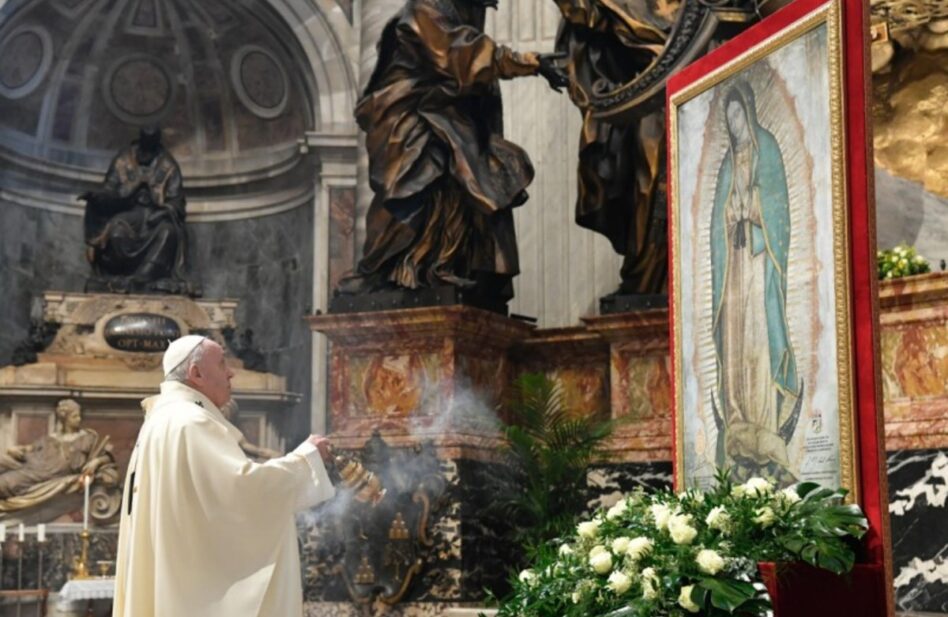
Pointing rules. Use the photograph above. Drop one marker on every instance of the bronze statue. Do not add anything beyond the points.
(34, 475)
(621, 165)
(134, 226)
(444, 178)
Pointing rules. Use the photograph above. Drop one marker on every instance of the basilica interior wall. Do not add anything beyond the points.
(564, 269)
(280, 266)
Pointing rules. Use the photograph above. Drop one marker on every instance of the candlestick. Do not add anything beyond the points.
(3, 533)
(80, 563)
(21, 532)
(41, 533)
(87, 480)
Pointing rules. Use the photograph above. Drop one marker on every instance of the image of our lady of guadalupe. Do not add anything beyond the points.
(757, 395)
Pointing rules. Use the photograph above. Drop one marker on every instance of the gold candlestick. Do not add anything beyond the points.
(80, 565)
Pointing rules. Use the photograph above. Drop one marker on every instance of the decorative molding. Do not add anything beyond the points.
(250, 88)
(20, 90)
(130, 79)
(198, 211)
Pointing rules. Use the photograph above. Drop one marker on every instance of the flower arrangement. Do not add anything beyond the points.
(664, 554)
(902, 260)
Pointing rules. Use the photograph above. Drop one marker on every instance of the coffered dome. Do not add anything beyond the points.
(225, 80)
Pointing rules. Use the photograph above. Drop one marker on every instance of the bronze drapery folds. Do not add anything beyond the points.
(445, 180)
(621, 166)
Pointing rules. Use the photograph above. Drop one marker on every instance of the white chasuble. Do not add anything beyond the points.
(206, 532)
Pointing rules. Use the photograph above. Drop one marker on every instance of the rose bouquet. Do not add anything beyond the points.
(691, 553)
(900, 261)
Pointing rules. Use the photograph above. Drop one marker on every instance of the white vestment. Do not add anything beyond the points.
(206, 532)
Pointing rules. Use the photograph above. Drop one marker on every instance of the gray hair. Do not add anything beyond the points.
(180, 372)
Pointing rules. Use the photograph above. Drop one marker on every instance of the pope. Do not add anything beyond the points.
(205, 530)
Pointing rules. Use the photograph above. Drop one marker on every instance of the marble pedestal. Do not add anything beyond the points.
(435, 373)
(417, 376)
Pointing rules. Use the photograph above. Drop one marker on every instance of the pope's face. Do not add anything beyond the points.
(211, 376)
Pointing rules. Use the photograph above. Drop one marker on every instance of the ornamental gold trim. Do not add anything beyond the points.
(829, 14)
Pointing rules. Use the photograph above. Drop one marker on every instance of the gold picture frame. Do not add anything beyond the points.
(702, 349)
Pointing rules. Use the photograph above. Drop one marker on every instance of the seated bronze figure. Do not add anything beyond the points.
(134, 225)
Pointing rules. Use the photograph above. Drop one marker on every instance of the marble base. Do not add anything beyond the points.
(918, 510)
(616, 366)
(434, 373)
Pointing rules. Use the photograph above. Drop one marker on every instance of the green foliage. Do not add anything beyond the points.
(694, 553)
(550, 450)
(902, 260)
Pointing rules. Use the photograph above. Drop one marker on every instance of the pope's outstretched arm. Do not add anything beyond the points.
(222, 475)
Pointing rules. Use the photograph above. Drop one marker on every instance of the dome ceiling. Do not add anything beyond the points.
(224, 79)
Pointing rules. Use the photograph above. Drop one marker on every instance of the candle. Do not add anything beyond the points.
(21, 532)
(41, 533)
(87, 480)
(3, 532)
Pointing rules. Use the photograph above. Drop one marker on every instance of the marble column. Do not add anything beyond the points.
(334, 158)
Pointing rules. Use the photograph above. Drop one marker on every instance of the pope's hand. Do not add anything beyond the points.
(322, 444)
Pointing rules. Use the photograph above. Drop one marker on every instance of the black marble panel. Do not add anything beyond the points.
(918, 491)
(470, 550)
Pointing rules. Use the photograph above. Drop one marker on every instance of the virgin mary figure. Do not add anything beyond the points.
(757, 390)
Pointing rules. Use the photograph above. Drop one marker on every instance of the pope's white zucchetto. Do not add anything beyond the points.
(179, 350)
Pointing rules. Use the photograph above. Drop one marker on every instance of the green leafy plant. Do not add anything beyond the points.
(663, 554)
(903, 260)
(549, 450)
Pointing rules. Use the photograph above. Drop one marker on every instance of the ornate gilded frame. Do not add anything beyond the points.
(827, 14)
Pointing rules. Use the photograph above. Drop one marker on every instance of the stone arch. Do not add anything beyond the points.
(331, 46)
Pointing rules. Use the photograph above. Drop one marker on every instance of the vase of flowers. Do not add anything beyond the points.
(691, 553)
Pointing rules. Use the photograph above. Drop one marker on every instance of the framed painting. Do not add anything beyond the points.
(769, 225)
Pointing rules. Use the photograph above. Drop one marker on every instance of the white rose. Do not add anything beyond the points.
(719, 519)
(576, 597)
(620, 544)
(679, 526)
(617, 510)
(685, 601)
(758, 485)
(588, 529)
(619, 582)
(649, 584)
(765, 516)
(565, 550)
(599, 548)
(739, 490)
(790, 495)
(661, 513)
(638, 547)
(529, 577)
(601, 563)
(709, 562)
